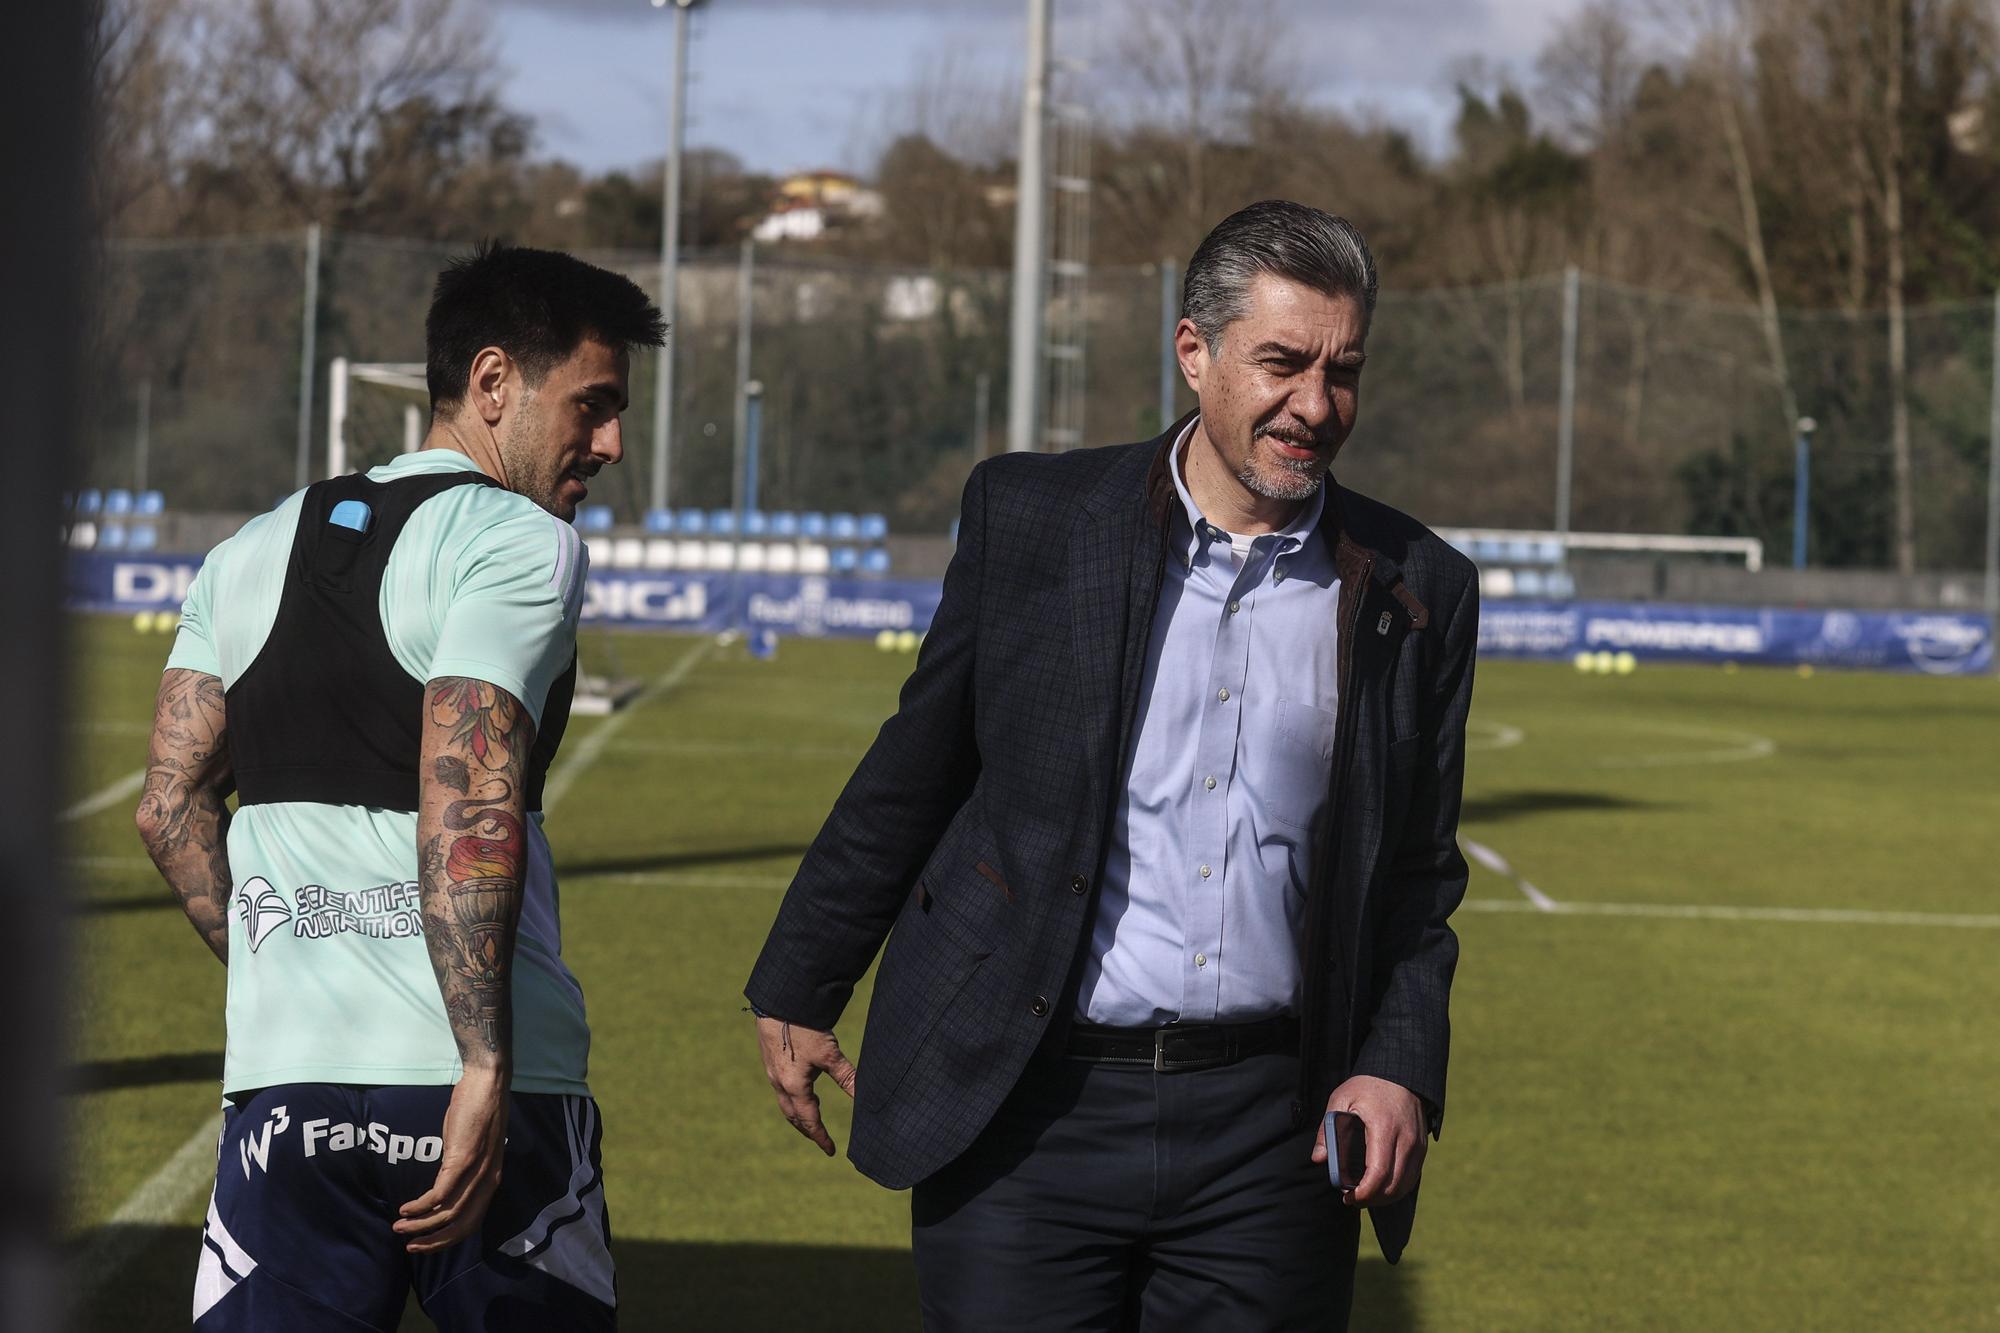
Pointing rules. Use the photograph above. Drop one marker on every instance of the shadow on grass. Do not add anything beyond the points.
(145, 1071)
(717, 1288)
(1517, 804)
(627, 865)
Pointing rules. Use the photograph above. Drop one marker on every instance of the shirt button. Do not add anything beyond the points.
(1278, 574)
(1208, 783)
(1223, 694)
(1039, 1008)
(1204, 872)
(1234, 607)
(1201, 960)
(1077, 884)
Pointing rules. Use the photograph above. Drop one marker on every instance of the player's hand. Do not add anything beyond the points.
(793, 1058)
(475, 1141)
(1394, 1119)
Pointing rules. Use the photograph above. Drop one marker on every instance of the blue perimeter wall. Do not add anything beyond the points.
(1936, 643)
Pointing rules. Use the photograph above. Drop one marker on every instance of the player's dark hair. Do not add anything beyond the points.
(1296, 241)
(535, 305)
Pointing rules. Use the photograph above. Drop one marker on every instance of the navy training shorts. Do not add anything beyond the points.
(308, 1182)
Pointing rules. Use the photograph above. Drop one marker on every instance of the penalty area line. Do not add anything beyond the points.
(1497, 863)
(160, 1199)
(592, 747)
(1839, 916)
(128, 786)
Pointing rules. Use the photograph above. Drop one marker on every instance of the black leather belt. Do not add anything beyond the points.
(1180, 1046)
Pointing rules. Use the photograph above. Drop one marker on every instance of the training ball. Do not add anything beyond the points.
(886, 641)
(1805, 670)
(1603, 664)
(906, 641)
(1582, 661)
(143, 622)
(1625, 663)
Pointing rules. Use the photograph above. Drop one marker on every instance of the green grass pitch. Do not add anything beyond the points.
(1662, 1117)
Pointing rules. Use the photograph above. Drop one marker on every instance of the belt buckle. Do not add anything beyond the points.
(1159, 1050)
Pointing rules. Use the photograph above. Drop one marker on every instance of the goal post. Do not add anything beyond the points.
(374, 410)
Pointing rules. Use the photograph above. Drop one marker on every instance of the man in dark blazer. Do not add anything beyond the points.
(1162, 840)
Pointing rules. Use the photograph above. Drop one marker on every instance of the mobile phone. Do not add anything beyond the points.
(1346, 1149)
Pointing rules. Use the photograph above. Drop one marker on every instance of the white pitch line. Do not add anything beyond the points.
(1497, 863)
(1495, 736)
(1715, 912)
(850, 752)
(159, 1200)
(669, 880)
(592, 746)
(126, 787)
(1737, 747)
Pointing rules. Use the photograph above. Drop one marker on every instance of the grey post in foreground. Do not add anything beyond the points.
(1031, 260)
(670, 257)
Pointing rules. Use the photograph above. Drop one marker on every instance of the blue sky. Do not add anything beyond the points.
(788, 84)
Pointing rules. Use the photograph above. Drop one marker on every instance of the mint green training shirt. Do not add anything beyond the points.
(329, 980)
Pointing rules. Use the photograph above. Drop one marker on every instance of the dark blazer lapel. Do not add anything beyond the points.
(1114, 583)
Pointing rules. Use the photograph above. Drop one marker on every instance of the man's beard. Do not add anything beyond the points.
(1289, 478)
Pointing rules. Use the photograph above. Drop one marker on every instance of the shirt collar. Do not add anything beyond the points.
(1290, 537)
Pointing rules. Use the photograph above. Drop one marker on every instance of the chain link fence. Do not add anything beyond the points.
(873, 393)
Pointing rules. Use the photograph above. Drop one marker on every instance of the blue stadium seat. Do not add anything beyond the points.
(812, 526)
(722, 522)
(875, 560)
(1549, 551)
(150, 504)
(660, 522)
(874, 527)
(90, 502)
(845, 560)
(117, 503)
(1559, 584)
(594, 518)
(756, 523)
(842, 528)
(143, 537)
(691, 523)
(784, 523)
(111, 537)
(1528, 582)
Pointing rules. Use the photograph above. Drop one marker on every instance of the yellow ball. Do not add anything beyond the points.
(143, 622)
(886, 641)
(1582, 661)
(1805, 670)
(906, 641)
(1625, 663)
(1602, 664)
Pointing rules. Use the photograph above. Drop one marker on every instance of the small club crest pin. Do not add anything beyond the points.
(1382, 625)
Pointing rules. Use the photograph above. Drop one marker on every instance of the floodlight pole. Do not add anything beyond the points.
(746, 307)
(1801, 489)
(1566, 410)
(670, 255)
(1031, 259)
(1170, 319)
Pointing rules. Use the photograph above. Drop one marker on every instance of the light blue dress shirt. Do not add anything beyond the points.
(1204, 885)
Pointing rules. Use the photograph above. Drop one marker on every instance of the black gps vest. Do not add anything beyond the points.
(325, 712)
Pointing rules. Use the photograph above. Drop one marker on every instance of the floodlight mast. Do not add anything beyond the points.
(1031, 259)
(670, 246)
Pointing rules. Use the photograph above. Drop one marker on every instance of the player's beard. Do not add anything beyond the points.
(534, 466)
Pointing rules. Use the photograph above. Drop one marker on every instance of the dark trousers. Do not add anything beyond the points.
(1108, 1197)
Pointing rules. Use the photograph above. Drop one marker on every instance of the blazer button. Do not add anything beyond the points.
(1078, 884)
(1039, 1008)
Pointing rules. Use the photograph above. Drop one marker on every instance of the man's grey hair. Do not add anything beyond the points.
(1307, 245)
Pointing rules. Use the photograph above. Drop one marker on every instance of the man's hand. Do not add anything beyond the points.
(475, 1140)
(793, 1058)
(1394, 1118)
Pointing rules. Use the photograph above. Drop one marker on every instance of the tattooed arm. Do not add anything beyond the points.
(472, 855)
(182, 817)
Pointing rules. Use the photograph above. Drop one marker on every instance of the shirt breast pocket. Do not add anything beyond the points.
(1297, 785)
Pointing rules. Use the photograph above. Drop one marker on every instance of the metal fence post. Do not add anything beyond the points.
(1993, 478)
(1566, 409)
(745, 310)
(308, 335)
(1801, 488)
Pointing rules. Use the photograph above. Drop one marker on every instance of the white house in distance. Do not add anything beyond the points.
(812, 203)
